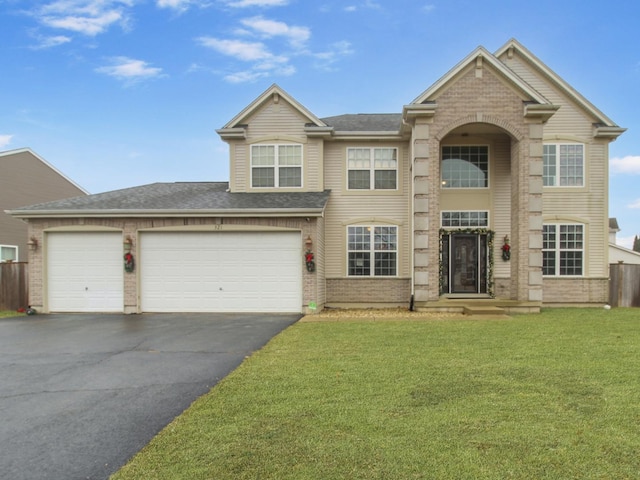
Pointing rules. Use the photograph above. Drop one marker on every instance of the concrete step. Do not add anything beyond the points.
(483, 310)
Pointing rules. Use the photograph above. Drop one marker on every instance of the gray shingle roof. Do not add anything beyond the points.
(366, 122)
(180, 197)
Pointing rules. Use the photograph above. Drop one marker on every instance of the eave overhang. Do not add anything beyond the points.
(234, 133)
(315, 131)
(539, 112)
(370, 136)
(117, 213)
(418, 110)
(610, 133)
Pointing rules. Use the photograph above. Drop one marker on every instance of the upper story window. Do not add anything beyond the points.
(562, 249)
(8, 253)
(276, 166)
(563, 165)
(465, 166)
(372, 250)
(372, 168)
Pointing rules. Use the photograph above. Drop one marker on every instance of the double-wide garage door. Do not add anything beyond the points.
(177, 272)
(220, 271)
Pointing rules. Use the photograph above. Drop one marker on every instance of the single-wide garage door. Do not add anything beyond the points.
(85, 272)
(221, 272)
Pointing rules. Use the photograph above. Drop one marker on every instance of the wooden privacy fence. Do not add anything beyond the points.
(14, 290)
(624, 285)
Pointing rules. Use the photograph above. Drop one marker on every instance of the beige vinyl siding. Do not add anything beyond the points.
(570, 118)
(587, 205)
(276, 119)
(501, 212)
(572, 124)
(277, 124)
(239, 167)
(373, 207)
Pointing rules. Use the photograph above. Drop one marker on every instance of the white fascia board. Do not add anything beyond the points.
(283, 212)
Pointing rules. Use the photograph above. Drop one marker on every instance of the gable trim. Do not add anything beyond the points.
(554, 78)
(277, 94)
(478, 57)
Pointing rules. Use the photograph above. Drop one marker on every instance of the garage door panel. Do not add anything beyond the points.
(221, 271)
(85, 272)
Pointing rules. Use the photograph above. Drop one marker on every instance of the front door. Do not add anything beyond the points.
(464, 263)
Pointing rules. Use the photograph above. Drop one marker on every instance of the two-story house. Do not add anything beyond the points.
(491, 185)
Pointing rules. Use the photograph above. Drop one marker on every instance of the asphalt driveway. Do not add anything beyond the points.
(81, 394)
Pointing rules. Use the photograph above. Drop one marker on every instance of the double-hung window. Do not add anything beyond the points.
(372, 168)
(563, 165)
(8, 253)
(563, 249)
(372, 251)
(274, 166)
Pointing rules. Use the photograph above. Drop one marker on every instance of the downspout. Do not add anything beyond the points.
(411, 219)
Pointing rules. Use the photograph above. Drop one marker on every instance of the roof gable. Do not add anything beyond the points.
(513, 47)
(46, 164)
(481, 57)
(273, 92)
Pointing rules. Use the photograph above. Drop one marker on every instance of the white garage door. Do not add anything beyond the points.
(221, 272)
(85, 272)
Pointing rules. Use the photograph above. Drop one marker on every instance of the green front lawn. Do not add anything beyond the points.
(548, 396)
(10, 313)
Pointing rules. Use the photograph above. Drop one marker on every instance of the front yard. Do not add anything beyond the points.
(546, 396)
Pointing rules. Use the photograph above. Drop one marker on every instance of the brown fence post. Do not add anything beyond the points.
(620, 284)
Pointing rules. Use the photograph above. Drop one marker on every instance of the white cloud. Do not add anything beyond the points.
(5, 140)
(428, 8)
(50, 42)
(246, 51)
(336, 51)
(296, 36)
(177, 4)
(130, 70)
(255, 3)
(635, 204)
(629, 164)
(88, 17)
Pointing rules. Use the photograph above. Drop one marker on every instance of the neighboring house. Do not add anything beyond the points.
(26, 179)
(618, 254)
(498, 157)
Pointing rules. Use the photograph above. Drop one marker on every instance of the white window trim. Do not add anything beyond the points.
(372, 251)
(488, 147)
(557, 250)
(557, 162)
(276, 166)
(15, 248)
(464, 226)
(373, 169)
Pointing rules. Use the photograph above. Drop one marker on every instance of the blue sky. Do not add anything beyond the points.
(118, 93)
